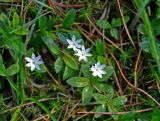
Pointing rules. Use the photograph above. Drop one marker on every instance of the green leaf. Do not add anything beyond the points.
(69, 19)
(158, 12)
(78, 81)
(16, 48)
(100, 98)
(100, 48)
(58, 65)
(70, 62)
(144, 45)
(101, 59)
(62, 37)
(44, 108)
(105, 88)
(114, 33)
(156, 26)
(85, 68)
(15, 87)
(43, 22)
(15, 20)
(140, 28)
(2, 70)
(155, 115)
(87, 95)
(68, 72)
(1, 59)
(29, 52)
(119, 101)
(50, 44)
(22, 30)
(103, 24)
(5, 19)
(109, 70)
(113, 109)
(51, 23)
(129, 117)
(99, 109)
(116, 22)
(16, 114)
(12, 70)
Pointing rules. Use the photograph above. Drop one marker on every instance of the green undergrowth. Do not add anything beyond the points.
(79, 60)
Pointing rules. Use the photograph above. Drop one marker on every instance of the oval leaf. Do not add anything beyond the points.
(42, 22)
(52, 46)
(69, 19)
(100, 47)
(101, 99)
(101, 108)
(78, 81)
(119, 101)
(2, 70)
(22, 31)
(12, 70)
(103, 24)
(114, 33)
(116, 22)
(70, 62)
(15, 20)
(87, 95)
(86, 70)
(68, 72)
(58, 65)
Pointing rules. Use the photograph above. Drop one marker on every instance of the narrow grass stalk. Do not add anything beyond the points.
(16, 113)
(44, 108)
(14, 87)
(148, 29)
(33, 25)
(22, 75)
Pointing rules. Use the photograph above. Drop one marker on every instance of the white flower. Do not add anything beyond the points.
(98, 69)
(74, 44)
(34, 62)
(83, 53)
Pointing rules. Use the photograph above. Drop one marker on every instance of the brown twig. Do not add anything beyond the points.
(124, 23)
(106, 38)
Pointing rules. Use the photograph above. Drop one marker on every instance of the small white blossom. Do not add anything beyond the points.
(98, 69)
(83, 53)
(34, 62)
(74, 44)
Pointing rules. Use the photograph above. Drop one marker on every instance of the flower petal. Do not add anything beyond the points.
(28, 59)
(88, 54)
(69, 41)
(94, 74)
(33, 56)
(29, 64)
(38, 58)
(32, 68)
(102, 66)
(79, 40)
(99, 74)
(87, 50)
(73, 38)
(39, 62)
(102, 71)
(37, 67)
